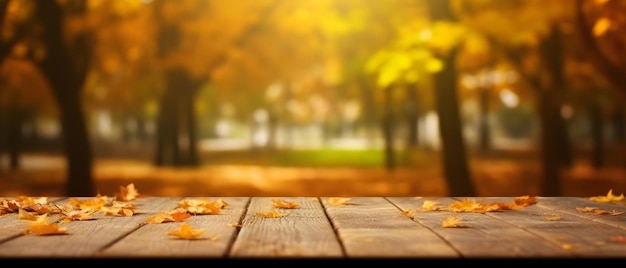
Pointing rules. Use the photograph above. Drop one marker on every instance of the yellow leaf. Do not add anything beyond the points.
(338, 201)
(44, 228)
(127, 193)
(186, 231)
(430, 205)
(284, 204)
(451, 222)
(407, 214)
(608, 198)
(202, 206)
(270, 214)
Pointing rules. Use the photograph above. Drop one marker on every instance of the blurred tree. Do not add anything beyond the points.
(445, 85)
(530, 35)
(72, 52)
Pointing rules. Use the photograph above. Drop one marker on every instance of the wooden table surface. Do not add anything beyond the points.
(318, 227)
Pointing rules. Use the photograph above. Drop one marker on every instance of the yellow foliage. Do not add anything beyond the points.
(44, 228)
(176, 215)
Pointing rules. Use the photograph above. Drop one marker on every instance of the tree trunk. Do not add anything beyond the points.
(387, 126)
(483, 127)
(552, 53)
(597, 134)
(14, 136)
(66, 72)
(455, 168)
(412, 115)
(551, 185)
(618, 125)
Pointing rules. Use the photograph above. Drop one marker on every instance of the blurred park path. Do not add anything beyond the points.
(43, 175)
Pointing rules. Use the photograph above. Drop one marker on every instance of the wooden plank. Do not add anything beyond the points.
(151, 240)
(480, 235)
(570, 206)
(575, 232)
(301, 232)
(84, 238)
(373, 227)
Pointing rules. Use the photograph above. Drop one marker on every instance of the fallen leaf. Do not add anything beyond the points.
(608, 198)
(284, 204)
(567, 246)
(175, 215)
(618, 239)
(338, 201)
(127, 193)
(186, 231)
(202, 206)
(270, 214)
(430, 205)
(553, 218)
(451, 222)
(407, 214)
(44, 228)
(599, 211)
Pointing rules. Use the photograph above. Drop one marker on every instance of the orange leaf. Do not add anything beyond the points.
(270, 214)
(127, 193)
(608, 198)
(186, 231)
(284, 204)
(43, 228)
(451, 222)
(338, 201)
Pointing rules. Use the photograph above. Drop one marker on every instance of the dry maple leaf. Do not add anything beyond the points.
(44, 228)
(525, 200)
(270, 214)
(599, 211)
(175, 215)
(95, 203)
(451, 222)
(284, 204)
(466, 205)
(25, 215)
(127, 193)
(608, 198)
(202, 206)
(119, 209)
(338, 201)
(76, 215)
(430, 205)
(408, 214)
(553, 218)
(186, 231)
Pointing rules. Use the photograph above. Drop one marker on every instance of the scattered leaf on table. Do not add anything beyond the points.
(451, 222)
(127, 193)
(44, 228)
(95, 203)
(202, 206)
(430, 205)
(176, 215)
(270, 214)
(567, 246)
(284, 204)
(608, 198)
(599, 211)
(525, 200)
(76, 215)
(27, 216)
(338, 201)
(407, 214)
(119, 209)
(553, 218)
(187, 231)
(618, 239)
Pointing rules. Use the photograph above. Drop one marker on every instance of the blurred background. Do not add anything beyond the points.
(313, 97)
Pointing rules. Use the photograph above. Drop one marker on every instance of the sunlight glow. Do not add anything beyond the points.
(509, 98)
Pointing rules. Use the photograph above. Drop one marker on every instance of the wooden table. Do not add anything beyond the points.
(362, 227)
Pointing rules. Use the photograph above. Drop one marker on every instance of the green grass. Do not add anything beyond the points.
(315, 158)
